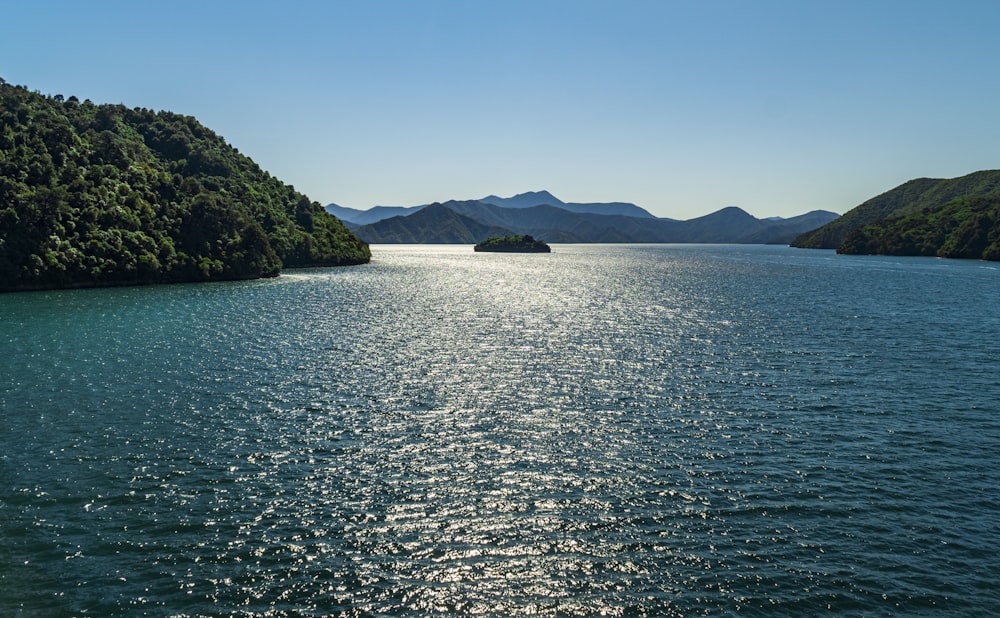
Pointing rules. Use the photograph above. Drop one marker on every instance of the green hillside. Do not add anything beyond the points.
(962, 228)
(94, 195)
(915, 196)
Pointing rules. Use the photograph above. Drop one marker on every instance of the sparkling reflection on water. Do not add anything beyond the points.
(602, 430)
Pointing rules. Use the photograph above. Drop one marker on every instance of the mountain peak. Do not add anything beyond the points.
(524, 200)
(549, 199)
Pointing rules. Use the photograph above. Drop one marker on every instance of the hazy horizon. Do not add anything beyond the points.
(520, 193)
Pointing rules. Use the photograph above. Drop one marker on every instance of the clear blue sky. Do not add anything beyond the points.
(682, 107)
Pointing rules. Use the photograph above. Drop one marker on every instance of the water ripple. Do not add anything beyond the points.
(600, 431)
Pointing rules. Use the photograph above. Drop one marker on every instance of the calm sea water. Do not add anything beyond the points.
(617, 430)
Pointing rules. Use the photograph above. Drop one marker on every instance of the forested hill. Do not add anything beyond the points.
(925, 203)
(966, 227)
(94, 195)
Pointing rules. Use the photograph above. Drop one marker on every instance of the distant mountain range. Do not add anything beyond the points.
(956, 217)
(542, 215)
(544, 198)
(355, 217)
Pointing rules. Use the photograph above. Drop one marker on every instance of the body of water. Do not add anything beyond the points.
(603, 430)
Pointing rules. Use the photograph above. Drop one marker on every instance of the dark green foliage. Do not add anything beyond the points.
(962, 228)
(908, 198)
(513, 244)
(106, 195)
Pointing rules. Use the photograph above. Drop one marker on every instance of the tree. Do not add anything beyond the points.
(101, 195)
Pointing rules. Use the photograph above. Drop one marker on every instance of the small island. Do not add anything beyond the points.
(513, 244)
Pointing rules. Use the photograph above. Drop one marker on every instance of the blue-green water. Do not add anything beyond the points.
(618, 430)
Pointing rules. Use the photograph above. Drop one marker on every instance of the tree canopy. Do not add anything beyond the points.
(911, 201)
(521, 243)
(963, 228)
(95, 195)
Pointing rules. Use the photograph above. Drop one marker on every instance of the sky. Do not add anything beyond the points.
(682, 107)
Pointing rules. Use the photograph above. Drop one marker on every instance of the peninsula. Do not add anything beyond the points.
(105, 195)
(950, 218)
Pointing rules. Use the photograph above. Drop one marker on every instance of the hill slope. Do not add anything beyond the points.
(962, 228)
(95, 195)
(352, 217)
(784, 231)
(552, 223)
(555, 224)
(544, 198)
(434, 224)
(908, 198)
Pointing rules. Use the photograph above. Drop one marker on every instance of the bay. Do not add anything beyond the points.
(606, 429)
